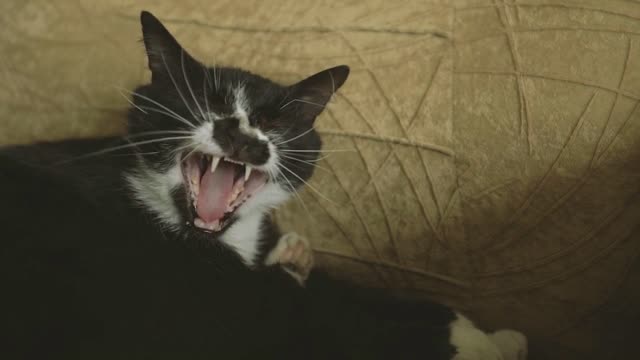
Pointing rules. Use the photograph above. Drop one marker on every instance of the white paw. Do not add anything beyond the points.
(293, 252)
(472, 343)
(512, 344)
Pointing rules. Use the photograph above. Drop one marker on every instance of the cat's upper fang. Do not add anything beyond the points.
(214, 163)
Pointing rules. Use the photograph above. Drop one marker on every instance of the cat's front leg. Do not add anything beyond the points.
(293, 252)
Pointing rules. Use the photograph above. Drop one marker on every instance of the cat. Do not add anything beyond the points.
(160, 243)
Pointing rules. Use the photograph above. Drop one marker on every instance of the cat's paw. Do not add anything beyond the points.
(293, 252)
(472, 343)
(512, 344)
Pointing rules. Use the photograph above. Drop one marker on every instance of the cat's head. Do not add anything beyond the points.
(220, 144)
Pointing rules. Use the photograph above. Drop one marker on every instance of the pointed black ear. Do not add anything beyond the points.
(313, 93)
(164, 52)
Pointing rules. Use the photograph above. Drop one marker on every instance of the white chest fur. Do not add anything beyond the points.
(243, 237)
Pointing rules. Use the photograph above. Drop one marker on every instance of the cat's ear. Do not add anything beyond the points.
(164, 52)
(312, 94)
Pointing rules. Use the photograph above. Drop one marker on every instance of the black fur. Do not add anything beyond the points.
(88, 273)
(85, 273)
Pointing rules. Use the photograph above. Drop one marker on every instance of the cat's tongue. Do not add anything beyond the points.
(215, 189)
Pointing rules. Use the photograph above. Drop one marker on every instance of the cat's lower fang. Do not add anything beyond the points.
(212, 226)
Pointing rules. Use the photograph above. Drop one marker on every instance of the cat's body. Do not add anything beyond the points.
(87, 273)
(163, 249)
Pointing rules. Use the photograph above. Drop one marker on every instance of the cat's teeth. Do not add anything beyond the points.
(199, 223)
(247, 172)
(233, 161)
(214, 163)
(213, 225)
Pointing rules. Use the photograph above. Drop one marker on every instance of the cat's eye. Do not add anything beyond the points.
(258, 120)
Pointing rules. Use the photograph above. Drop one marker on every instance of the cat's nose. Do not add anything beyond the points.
(251, 151)
(240, 145)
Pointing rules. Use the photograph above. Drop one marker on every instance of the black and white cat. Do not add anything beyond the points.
(160, 244)
(218, 148)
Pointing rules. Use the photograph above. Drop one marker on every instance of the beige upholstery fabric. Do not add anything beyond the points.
(493, 146)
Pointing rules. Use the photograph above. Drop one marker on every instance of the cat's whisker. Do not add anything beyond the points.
(279, 136)
(145, 119)
(207, 76)
(216, 81)
(293, 189)
(333, 83)
(179, 149)
(176, 116)
(301, 166)
(149, 108)
(190, 145)
(205, 81)
(175, 84)
(311, 161)
(317, 151)
(307, 184)
(186, 80)
(320, 158)
(132, 103)
(139, 153)
(302, 101)
(151, 141)
(288, 129)
(159, 132)
(306, 162)
(121, 147)
(184, 158)
(294, 138)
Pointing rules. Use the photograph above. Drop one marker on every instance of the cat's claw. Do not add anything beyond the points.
(293, 252)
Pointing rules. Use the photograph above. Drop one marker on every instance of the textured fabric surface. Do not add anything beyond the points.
(483, 152)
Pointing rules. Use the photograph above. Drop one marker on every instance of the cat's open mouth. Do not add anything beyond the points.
(217, 187)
